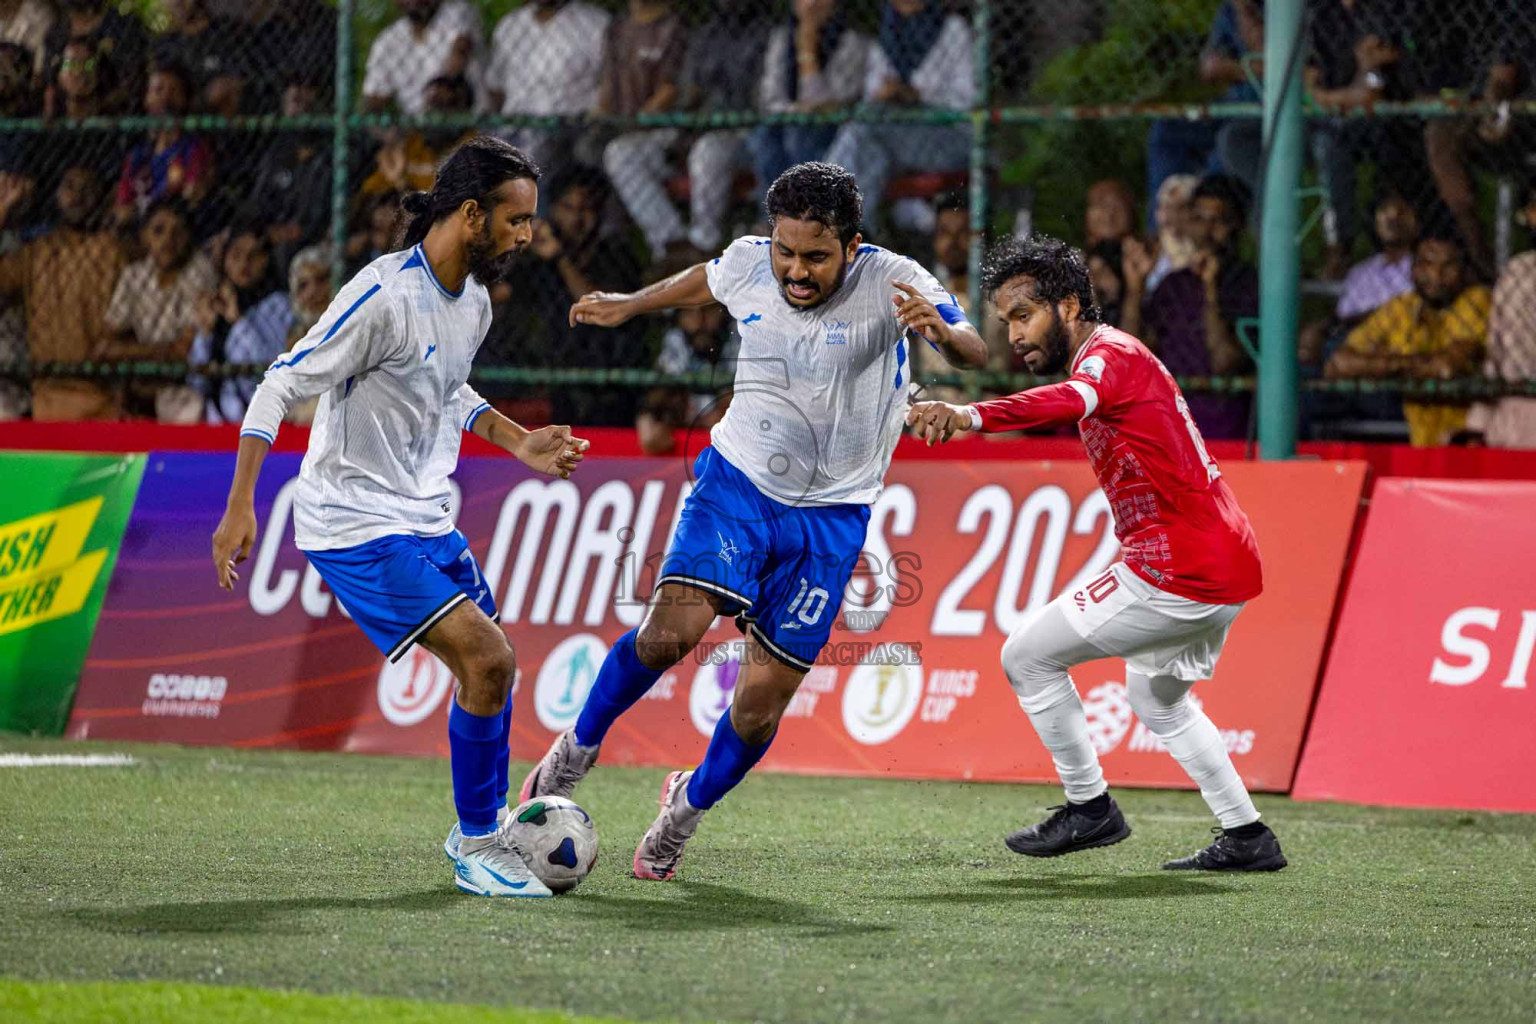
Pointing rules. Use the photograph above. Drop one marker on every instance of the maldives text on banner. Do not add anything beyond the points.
(1428, 698)
(910, 684)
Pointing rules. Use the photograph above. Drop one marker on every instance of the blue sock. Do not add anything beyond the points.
(472, 752)
(621, 681)
(504, 756)
(725, 764)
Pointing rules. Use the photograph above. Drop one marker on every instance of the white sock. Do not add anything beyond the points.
(1063, 728)
(1163, 704)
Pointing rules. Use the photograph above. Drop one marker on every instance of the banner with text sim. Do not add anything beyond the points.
(910, 683)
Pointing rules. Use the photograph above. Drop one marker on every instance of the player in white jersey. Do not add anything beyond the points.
(390, 361)
(774, 525)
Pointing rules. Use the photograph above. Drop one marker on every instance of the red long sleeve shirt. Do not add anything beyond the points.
(1179, 526)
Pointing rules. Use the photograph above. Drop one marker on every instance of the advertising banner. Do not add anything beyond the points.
(61, 519)
(910, 684)
(1427, 700)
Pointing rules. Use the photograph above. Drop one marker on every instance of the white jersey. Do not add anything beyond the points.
(820, 394)
(390, 359)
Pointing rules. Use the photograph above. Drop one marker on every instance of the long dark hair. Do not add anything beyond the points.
(473, 171)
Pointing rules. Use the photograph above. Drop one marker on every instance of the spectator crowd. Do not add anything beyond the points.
(212, 245)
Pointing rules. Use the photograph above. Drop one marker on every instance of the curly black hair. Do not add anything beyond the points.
(825, 193)
(1057, 269)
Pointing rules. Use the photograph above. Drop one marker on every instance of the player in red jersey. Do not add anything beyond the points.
(1190, 560)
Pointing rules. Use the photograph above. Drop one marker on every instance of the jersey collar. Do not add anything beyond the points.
(1086, 346)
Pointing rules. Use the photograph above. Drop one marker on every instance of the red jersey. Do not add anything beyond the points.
(1179, 526)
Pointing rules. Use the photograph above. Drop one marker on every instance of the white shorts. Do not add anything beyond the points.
(1157, 633)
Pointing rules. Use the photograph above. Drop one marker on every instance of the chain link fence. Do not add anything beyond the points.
(182, 183)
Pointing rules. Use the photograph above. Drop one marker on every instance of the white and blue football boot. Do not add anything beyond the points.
(486, 866)
(455, 834)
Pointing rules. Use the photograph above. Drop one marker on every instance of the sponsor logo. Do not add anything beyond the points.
(565, 678)
(177, 696)
(820, 680)
(1092, 367)
(412, 688)
(882, 694)
(1110, 719)
(752, 318)
(43, 575)
(1471, 653)
(947, 687)
(714, 685)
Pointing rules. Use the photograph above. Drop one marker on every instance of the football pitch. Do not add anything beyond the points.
(210, 884)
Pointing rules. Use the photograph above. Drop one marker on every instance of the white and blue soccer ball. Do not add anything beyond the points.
(557, 839)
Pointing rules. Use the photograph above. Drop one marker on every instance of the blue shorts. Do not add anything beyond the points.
(398, 587)
(782, 569)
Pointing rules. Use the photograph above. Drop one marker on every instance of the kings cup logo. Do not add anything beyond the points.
(882, 694)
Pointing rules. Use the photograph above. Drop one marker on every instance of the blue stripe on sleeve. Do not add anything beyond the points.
(469, 424)
(951, 313)
(330, 333)
(901, 358)
(253, 432)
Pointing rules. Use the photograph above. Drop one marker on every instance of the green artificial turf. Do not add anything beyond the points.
(800, 900)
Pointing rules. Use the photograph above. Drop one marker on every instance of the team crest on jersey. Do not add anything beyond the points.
(1093, 367)
(837, 331)
(728, 549)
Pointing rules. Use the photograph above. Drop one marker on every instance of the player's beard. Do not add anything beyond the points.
(1057, 347)
(487, 267)
(821, 298)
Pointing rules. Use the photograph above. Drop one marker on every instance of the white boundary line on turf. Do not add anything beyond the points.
(66, 761)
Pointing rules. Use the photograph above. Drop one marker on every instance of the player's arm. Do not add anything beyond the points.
(942, 325)
(550, 450)
(682, 290)
(1052, 405)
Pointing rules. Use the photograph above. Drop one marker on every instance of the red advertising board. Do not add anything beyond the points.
(1427, 698)
(956, 555)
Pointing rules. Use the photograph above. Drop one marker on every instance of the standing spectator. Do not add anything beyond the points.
(65, 279)
(292, 191)
(546, 59)
(1437, 331)
(243, 320)
(434, 38)
(170, 162)
(1192, 317)
(109, 33)
(154, 307)
(923, 59)
(1511, 422)
(26, 23)
(643, 56)
(701, 341)
(309, 294)
(722, 71)
(1110, 215)
(814, 64)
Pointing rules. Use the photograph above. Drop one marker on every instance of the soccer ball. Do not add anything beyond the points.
(556, 838)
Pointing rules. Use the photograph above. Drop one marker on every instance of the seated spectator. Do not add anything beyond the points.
(952, 247)
(1171, 247)
(153, 310)
(309, 295)
(643, 56)
(289, 40)
(26, 23)
(65, 279)
(373, 233)
(18, 190)
(546, 59)
(1437, 331)
(17, 97)
(814, 63)
(1191, 320)
(86, 82)
(243, 320)
(109, 33)
(214, 51)
(700, 341)
(1105, 262)
(1511, 422)
(1110, 215)
(407, 162)
(169, 163)
(722, 71)
(292, 193)
(433, 39)
(923, 59)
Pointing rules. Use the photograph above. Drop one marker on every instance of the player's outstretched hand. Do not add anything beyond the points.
(601, 309)
(232, 543)
(916, 313)
(937, 422)
(552, 450)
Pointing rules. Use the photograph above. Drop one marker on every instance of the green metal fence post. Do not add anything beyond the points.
(981, 103)
(1279, 259)
(339, 142)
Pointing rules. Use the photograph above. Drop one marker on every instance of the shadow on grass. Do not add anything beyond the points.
(250, 916)
(705, 907)
(1074, 887)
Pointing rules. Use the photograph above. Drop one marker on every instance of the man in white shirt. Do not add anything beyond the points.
(432, 39)
(373, 510)
(546, 58)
